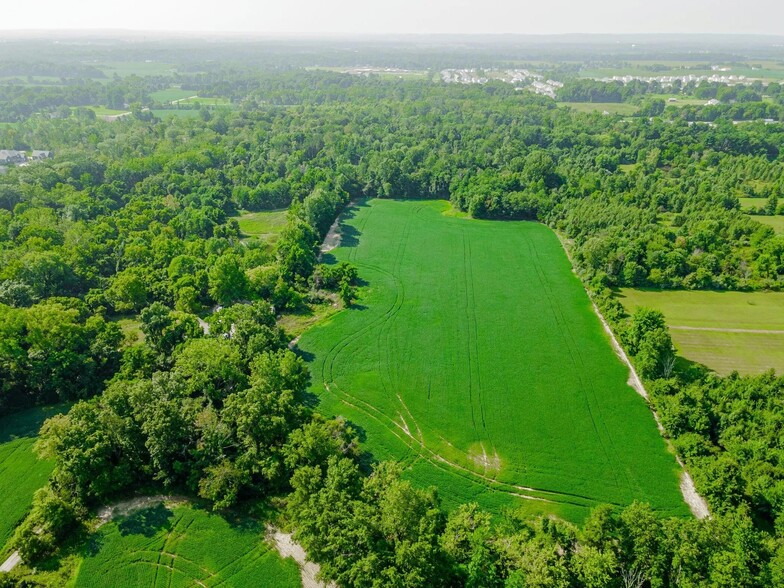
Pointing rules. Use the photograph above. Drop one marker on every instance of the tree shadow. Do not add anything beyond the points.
(349, 235)
(146, 522)
(28, 422)
(689, 371)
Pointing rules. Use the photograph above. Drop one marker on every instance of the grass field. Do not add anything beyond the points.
(181, 547)
(752, 203)
(207, 101)
(474, 357)
(264, 225)
(170, 94)
(609, 107)
(103, 111)
(21, 472)
(725, 331)
(777, 222)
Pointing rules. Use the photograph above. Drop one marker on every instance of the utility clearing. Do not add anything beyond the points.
(474, 357)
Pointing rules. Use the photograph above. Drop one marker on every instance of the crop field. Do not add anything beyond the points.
(182, 547)
(21, 472)
(473, 356)
(609, 107)
(263, 225)
(724, 331)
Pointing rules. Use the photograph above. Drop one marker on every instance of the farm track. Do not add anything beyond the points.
(728, 330)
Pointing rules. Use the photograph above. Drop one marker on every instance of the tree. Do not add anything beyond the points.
(210, 368)
(128, 291)
(227, 279)
(347, 293)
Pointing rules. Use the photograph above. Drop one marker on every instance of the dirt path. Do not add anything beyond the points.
(287, 547)
(696, 503)
(13, 560)
(723, 330)
(332, 239)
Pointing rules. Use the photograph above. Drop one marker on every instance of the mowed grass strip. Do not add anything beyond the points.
(184, 546)
(474, 357)
(725, 331)
(21, 472)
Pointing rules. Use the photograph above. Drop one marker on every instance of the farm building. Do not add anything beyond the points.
(11, 156)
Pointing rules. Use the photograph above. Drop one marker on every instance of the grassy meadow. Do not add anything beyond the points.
(183, 546)
(171, 94)
(777, 222)
(263, 225)
(473, 356)
(21, 472)
(725, 331)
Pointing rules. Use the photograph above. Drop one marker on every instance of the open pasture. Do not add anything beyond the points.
(725, 331)
(777, 222)
(21, 472)
(263, 225)
(171, 94)
(181, 547)
(474, 357)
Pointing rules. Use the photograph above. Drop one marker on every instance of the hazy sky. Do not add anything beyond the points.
(402, 16)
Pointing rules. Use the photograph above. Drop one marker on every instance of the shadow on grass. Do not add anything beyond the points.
(146, 522)
(689, 371)
(27, 423)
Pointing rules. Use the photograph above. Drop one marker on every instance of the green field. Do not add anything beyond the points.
(21, 472)
(609, 107)
(103, 111)
(752, 203)
(474, 357)
(777, 222)
(184, 546)
(264, 225)
(206, 101)
(724, 331)
(171, 94)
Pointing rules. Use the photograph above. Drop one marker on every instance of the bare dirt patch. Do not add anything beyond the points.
(484, 460)
(126, 507)
(287, 547)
